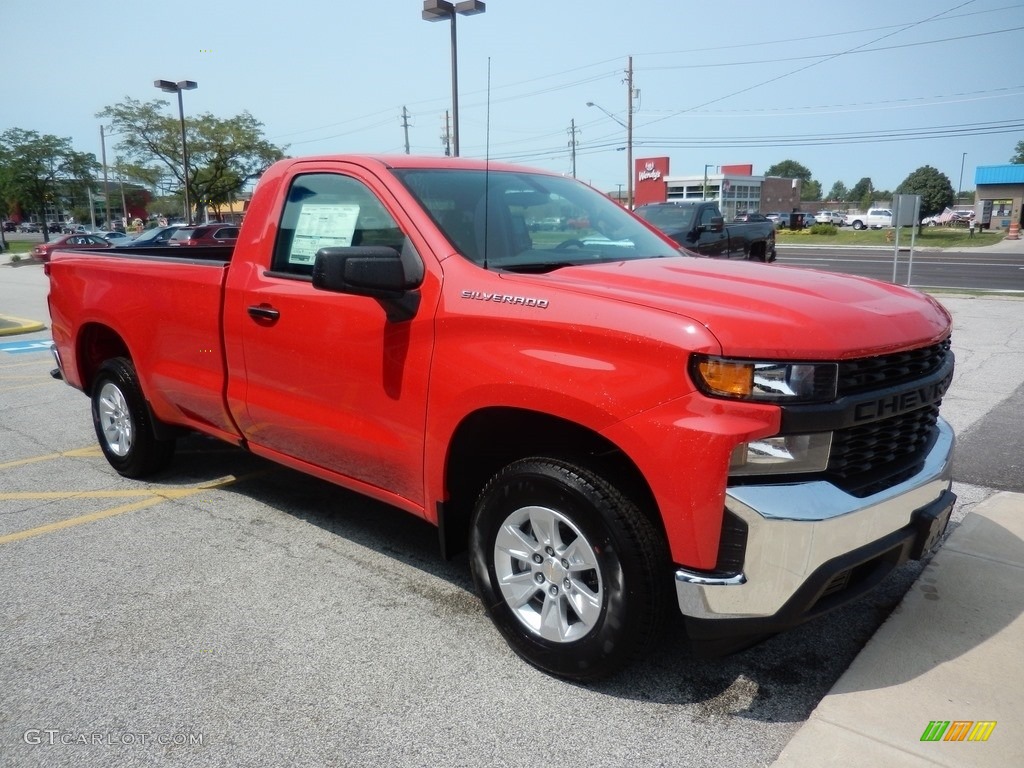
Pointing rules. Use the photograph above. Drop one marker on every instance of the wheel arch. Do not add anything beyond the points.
(490, 439)
(95, 344)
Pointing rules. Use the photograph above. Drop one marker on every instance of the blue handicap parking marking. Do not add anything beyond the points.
(20, 347)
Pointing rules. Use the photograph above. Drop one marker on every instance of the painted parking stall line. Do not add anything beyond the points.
(23, 347)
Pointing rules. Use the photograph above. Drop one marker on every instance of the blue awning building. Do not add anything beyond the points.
(999, 195)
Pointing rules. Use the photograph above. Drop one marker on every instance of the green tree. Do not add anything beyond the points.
(810, 190)
(860, 190)
(838, 191)
(932, 185)
(1018, 154)
(790, 169)
(223, 155)
(38, 172)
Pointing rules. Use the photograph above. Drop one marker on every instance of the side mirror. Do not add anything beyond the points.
(717, 224)
(365, 271)
(375, 271)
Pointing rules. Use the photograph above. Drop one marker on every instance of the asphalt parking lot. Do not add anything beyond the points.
(231, 612)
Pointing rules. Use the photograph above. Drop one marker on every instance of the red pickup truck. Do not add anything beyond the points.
(610, 425)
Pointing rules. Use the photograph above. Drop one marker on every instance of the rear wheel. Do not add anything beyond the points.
(858, 225)
(570, 571)
(124, 426)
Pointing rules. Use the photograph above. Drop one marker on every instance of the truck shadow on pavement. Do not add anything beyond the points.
(780, 680)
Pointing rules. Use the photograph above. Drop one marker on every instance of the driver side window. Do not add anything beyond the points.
(329, 209)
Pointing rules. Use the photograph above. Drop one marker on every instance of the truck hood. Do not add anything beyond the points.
(768, 311)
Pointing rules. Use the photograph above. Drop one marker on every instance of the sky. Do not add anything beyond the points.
(850, 90)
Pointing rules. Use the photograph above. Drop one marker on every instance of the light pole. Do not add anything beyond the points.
(629, 152)
(437, 10)
(167, 86)
(960, 184)
(106, 184)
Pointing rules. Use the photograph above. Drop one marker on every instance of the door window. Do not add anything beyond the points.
(325, 210)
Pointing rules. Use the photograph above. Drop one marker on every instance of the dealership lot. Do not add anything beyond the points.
(232, 612)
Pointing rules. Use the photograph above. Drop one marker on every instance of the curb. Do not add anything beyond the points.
(10, 326)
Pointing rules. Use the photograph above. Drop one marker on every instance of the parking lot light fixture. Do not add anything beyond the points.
(960, 184)
(438, 10)
(169, 86)
(629, 151)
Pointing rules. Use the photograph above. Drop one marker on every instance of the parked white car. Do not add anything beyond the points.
(829, 217)
(875, 218)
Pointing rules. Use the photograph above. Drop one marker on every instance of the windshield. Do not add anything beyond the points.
(668, 218)
(529, 222)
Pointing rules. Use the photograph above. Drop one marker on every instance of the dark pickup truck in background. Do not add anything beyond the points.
(700, 227)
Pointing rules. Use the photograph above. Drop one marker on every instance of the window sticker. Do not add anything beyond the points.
(319, 226)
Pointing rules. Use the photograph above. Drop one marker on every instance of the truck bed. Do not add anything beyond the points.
(173, 334)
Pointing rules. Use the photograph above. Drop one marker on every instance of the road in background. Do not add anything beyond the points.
(979, 269)
(284, 620)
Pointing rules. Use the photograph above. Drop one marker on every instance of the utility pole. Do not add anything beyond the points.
(405, 127)
(573, 130)
(106, 184)
(629, 133)
(446, 136)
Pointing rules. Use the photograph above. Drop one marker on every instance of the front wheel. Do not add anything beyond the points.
(573, 575)
(123, 422)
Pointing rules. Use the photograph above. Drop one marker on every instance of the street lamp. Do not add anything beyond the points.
(960, 184)
(629, 151)
(106, 184)
(437, 10)
(167, 86)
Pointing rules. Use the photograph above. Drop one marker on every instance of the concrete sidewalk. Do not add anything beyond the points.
(952, 651)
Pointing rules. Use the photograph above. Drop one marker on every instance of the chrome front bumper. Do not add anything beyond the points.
(797, 531)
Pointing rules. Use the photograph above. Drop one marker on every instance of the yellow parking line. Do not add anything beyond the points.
(82, 520)
(155, 497)
(75, 453)
(45, 495)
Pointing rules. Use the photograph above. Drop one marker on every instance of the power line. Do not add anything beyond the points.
(821, 139)
(749, 62)
(903, 28)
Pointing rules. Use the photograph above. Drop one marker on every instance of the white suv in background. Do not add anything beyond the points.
(829, 217)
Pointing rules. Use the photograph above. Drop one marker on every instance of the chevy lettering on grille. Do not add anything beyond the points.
(902, 402)
(504, 298)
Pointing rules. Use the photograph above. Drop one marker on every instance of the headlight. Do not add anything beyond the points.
(765, 382)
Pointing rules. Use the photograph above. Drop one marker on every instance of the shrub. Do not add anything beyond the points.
(825, 229)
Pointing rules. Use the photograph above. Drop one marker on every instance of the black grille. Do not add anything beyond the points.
(732, 547)
(873, 456)
(889, 370)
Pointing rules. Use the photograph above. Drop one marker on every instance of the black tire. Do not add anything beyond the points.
(570, 571)
(123, 423)
(858, 225)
